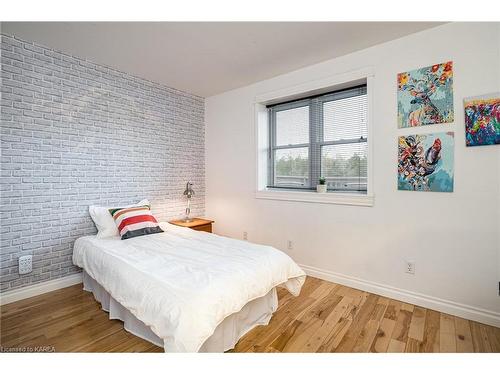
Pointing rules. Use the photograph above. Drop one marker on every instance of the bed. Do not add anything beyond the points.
(185, 290)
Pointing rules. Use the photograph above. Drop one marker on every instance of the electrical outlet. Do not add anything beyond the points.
(289, 245)
(245, 236)
(25, 264)
(410, 267)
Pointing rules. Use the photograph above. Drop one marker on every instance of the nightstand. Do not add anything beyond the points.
(196, 223)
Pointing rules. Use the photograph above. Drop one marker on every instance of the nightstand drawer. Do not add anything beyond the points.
(204, 228)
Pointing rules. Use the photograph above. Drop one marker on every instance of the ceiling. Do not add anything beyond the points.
(208, 58)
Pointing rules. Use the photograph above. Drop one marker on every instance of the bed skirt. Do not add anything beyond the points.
(226, 335)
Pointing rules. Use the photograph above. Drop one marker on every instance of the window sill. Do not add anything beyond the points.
(350, 199)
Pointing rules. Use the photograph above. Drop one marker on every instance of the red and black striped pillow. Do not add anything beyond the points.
(135, 221)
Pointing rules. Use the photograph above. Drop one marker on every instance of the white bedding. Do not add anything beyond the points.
(183, 283)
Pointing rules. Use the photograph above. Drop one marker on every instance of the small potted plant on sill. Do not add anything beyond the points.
(321, 187)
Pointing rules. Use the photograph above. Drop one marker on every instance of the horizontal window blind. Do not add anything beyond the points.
(320, 136)
(292, 126)
(345, 118)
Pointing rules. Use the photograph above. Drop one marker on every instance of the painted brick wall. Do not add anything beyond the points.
(75, 133)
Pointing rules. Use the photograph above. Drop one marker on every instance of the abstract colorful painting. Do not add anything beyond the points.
(425, 162)
(425, 96)
(482, 120)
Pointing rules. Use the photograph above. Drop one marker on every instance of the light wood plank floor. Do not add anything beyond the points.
(326, 317)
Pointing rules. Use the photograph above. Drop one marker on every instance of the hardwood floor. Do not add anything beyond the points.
(326, 317)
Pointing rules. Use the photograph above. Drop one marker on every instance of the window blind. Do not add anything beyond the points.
(320, 136)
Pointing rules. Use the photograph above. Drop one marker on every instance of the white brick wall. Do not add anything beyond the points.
(75, 133)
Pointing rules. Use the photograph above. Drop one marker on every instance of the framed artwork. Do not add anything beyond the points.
(425, 162)
(482, 120)
(425, 96)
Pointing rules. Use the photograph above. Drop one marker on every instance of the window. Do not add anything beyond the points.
(320, 136)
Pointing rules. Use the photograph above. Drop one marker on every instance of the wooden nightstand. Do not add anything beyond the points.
(196, 223)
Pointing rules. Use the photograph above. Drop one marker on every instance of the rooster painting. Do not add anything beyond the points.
(425, 96)
(425, 162)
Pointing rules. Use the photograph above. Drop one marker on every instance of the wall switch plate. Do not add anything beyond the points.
(25, 264)
(410, 268)
(289, 245)
(245, 236)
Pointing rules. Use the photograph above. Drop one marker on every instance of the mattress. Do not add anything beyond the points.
(182, 284)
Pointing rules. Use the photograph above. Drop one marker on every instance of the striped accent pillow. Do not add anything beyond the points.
(135, 221)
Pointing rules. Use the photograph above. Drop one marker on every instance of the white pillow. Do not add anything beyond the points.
(106, 226)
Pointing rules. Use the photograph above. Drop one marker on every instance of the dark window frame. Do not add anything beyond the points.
(316, 135)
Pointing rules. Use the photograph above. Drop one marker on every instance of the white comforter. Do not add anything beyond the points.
(183, 283)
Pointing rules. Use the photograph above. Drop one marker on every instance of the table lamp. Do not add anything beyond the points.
(189, 192)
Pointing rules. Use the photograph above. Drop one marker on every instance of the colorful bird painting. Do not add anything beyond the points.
(425, 162)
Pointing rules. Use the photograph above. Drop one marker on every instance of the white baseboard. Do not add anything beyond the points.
(434, 303)
(41, 288)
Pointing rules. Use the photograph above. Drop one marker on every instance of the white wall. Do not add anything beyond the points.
(452, 237)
